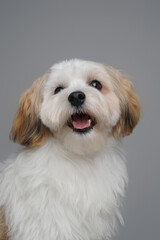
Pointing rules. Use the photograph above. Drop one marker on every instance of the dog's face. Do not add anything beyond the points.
(80, 103)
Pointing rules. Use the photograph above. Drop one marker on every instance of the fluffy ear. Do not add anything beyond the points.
(129, 103)
(27, 128)
(3, 227)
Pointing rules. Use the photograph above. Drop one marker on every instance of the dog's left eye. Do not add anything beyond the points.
(96, 84)
(58, 89)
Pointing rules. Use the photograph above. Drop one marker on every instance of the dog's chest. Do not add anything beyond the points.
(62, 202)
(72, 214)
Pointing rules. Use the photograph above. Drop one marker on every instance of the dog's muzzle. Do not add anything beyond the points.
(77, 98)
(80, 121)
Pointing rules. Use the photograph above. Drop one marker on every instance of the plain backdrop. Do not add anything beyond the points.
(35, 34)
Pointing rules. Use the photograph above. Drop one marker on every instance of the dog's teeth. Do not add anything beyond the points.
(89, 122)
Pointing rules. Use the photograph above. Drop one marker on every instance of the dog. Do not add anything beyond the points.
(68, 180)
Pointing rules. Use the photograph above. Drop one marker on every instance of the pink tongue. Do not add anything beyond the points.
(81, 122)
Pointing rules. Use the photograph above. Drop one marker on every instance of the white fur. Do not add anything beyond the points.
(70, 188)
(50, 193)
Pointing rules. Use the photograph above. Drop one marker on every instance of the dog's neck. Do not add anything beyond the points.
(57, 148)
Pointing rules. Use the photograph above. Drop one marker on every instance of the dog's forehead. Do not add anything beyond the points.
(76, 68)
(76, 64)
(78, 72)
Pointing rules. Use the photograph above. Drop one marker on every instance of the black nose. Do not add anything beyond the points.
(76, 98)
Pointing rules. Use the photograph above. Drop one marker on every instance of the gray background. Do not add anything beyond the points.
(125, 34)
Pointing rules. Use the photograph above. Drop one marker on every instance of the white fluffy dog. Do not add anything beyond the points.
(66, 184)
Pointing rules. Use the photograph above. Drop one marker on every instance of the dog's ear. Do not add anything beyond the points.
(129, 104)
(27, 129)
(3, 227)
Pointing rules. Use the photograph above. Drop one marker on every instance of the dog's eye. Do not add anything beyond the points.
(96, 84)
(58, 89)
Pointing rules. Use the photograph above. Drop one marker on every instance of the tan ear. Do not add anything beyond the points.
(27, 128)
(3, 227)
(129, 103)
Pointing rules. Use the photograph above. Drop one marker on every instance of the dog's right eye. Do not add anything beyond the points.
(58, 89)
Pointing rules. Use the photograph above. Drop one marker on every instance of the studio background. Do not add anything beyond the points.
(35, 34)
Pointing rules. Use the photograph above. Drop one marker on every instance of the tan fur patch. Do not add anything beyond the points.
(27, 128)
(129, 102)
(105, 90)
(3, 227)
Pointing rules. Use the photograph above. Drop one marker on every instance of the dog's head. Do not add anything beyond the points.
(80, 103)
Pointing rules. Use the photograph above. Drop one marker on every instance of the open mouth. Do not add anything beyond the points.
(81, 122)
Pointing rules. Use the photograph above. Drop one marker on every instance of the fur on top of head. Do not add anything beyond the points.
(77, 101)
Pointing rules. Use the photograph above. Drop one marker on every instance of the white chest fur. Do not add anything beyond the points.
(49, 193)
